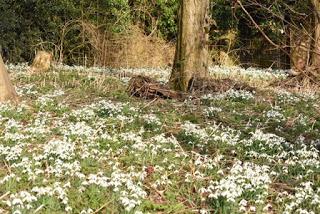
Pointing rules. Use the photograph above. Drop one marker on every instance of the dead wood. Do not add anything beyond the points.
(41, 62)
(146, 87)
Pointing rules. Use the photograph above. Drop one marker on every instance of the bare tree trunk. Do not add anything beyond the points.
(7, 91)
(192, 56)
(316, 51)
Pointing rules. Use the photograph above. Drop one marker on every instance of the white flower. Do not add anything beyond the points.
(60, 149)
(267, 207)
(151, 119)
(275, 114)
(87, 211)
(243, 177)
(204, 211)
(68, 209)
(191, 129)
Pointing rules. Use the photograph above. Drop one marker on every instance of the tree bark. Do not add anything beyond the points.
(300, 46)
(7, 91)
(192, 56)
(316, 51)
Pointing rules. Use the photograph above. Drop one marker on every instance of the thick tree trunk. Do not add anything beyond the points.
(316, 51)
(300, 45)
(7, 91)
(191, 57)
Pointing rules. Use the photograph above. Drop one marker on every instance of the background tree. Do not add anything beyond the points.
(191, 57)
(7, 91)
(300, 29)
(316, 51)
(285, 25)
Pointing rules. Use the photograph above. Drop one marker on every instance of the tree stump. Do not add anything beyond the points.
(41, 62)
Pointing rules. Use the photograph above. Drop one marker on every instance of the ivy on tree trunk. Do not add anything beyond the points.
(316, 53)
(191, 57)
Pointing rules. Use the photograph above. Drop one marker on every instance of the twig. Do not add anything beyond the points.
(7, 166)
(38, 209)
(4, 195)
(160, 193)
(282, 186)
(102, 207)
(148, 104)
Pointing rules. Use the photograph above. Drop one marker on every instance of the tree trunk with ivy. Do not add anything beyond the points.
(7, 91)
(316, 51)
(192, 56)
(305, 43)
(300, 46)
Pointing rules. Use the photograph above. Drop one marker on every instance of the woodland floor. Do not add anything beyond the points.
(78, 143)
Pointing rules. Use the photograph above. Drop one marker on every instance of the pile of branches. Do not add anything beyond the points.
(147, 88)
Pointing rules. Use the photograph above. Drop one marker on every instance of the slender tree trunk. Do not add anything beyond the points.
(316, 51)
(7, 91)
(191, 57)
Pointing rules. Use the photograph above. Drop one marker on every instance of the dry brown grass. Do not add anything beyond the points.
(132, 49)
(223, 58)
(305, 82)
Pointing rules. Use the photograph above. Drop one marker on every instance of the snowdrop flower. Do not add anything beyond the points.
(275, 114)
(211, 111)
(151, 119)
(60, 149)
(243, 177)
(191, 129)
(86, 211)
